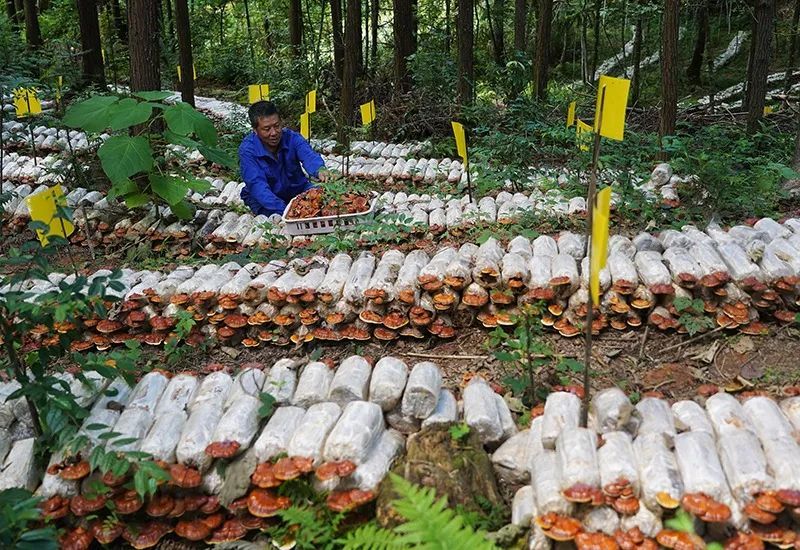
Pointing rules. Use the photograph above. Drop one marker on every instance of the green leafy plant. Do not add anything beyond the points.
(19, 513)
(684, 522)
(692, 315)
(429, 524)
(459, 431)
(175, 348)
(267, 405)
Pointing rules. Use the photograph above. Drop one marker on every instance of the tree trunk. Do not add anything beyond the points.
(365, 44)
(143, 29)
(750, 57)
(520, 24)
(12, 13)
(360, 37)
(596, 45)
(185, 51)
(636, 80)
(92, 53)
(796, 156)
(33, 36)
(495, 17)
(447, 16)
(168, 30)
(466, 61)
(352, 45)
(696, 64)
(338, 40)
(792, 46)
(757, 85)
(404, 43)
(295, 27)
(541, 59)
(120, 26)
(669, 69)
(374, 21)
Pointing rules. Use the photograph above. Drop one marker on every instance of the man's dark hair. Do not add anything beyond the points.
(261, 109)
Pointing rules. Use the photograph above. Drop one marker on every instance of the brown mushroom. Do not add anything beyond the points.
(595, 541)
(557, 527)
(211, 505)
(76, 471)
(285, 469)
(161, 323)
(146, 535)
(580, 492)
(111, 480)
(263, 504)
(744, 541)
(107, 530)
(193, 530)
(160, 505)
(213, 520)
(264, 476)
(127, 502)
(678, 540)
(235, 320)
(55, 507)
(223, 449)
(185, 477)
(79, 505)
(230, 531)
(626, 506)
(77, 539)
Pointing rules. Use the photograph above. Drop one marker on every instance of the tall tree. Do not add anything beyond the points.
(520, 23)
(375, 12)
(120, 26)
(636, 79)
(143, 44)
(352, 45)
(33, 36)
(495, 17)
(790, 65)
(12, 13)
(757, 85)
(466, 60)
(596, 44)
(405, 42)
(93, 72)
(669, 69)
(295, 27)
(184, 33)
(541, 57)
(696, 64)
(338, 39)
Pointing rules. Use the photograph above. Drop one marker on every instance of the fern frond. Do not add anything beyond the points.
(372, 537)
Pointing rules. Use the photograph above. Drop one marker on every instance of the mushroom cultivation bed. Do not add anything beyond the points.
(48, 139)
(745, 277)
(733, 463)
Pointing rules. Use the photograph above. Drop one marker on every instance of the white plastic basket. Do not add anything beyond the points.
(327, 224)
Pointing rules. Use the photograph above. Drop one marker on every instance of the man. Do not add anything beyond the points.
(270, 159)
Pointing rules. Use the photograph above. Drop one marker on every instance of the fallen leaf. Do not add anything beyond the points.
(233, 353)
(743, 345)
(708, 353)
(613, 353)
(514, 403)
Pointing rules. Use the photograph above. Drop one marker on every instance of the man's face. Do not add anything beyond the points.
(269, 130)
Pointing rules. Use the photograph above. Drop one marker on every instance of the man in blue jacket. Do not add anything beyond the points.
(270, 160)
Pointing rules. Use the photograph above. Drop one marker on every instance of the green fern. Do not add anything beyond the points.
(430, 524)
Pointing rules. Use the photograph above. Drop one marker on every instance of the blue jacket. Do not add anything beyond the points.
(270, 181)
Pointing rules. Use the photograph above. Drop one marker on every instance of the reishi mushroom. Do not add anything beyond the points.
(263, 504)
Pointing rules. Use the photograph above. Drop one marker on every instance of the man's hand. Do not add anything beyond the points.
(323, 176)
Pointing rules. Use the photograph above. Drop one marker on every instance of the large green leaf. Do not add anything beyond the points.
(204, 130)
(180, 118)
(183, 210)
(124, 156)
(122, 189)
(176, 139)
(217, 156)
(91, 115)
(153, 96)
(201, 186)
(169, 188)
(136, 200)
(129, 112)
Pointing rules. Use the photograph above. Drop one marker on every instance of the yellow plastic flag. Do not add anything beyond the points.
(26, 103)
(59, 86)
(194, 72)
(368, 112)
(305, 126)
(582, 132)
(461, 140)
(571, 115)
(257, 92)
(43, 208)
(103, 55)
(768, 110)
(600, 219)
(612, 93)
(311, 102)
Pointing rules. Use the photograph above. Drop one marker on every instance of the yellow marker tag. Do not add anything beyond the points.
(257, 92)
(461, 140)
(768, 110)
(103, 55)
(600, 220)
(614, 106)
(26, 103)
(59, 85)
(582, 134)
(368, 113)
(194, 72)
(571, 115)
(43, 208)
(305, 126)
(311, 102)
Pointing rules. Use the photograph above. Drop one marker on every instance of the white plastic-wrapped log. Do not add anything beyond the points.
(619, 244)
(652, 272)
(515, 274)
(713, 268)
(177, 395)
(437, 221)
(690, 417)
(647, 522)
(767, 419)
(248, 382)
(422, 390)
(576, 452)
(487, 209)
(205, 412)
(506, 419)
(562, 411)
(387, 382)
(656, 418)
(351, 381)
(381, 286)
(313, 385)
(699, 465)
(356, 431)
(239, 423)
(446, 411)
(275, 436)
(786, 251)
(605, 275)
(431, 277)
(739, 265)
(684, 269)
(791, 408)
(773, 266)
(671, 238)
(330, 290)
(572, 244)
(744, 464)
(564, 275)
(544, 245)
(522, 246)
(164, 435)
(512, 458)
(310, 435)
(617, 461)
(773, 228)
(523, 507)
(660, 479)
(138, 416)
(358, 278)
(546, 478)
(726, 414)
(610, 410)
(481, 412)
(454, 216)
(487, 263)
(600, 519)
(368, 475)
(646, 241)
(277, 293)
(406, 287)
(540, 273)
(281, 380)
